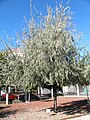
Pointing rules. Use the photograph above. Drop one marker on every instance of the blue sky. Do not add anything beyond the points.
(12, 14)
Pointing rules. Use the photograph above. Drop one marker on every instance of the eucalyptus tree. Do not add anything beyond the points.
(50, 51)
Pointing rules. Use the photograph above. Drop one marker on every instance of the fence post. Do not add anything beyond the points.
(7, 95)
(52, 92)
(77, 86)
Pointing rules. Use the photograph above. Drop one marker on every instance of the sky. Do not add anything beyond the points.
(12, 13)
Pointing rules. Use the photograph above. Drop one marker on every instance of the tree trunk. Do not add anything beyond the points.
(39, 92)
(29, 96)
(26, 97)
(55, 95)
(55, 103)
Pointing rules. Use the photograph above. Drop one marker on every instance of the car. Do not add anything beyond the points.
(11, 96)
(32, 97)
(3, 95)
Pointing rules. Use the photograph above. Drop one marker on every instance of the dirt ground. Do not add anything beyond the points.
(68, 107)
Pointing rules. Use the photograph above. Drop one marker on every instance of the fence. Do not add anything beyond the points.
(76, 90)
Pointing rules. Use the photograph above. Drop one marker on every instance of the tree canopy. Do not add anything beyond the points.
(50, 52)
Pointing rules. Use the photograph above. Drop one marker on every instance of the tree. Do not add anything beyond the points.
(4, 72)
(50, 52)
(86, 72)
(11, 69)
(85, 66)
(2, 62)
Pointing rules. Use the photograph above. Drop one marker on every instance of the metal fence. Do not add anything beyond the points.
(76, 90)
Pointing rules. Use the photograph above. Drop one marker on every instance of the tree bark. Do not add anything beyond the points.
(55, 103)
(29, 96)
(39, 92)
(26, 98)
(55, 95)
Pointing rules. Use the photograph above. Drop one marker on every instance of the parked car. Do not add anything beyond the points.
(11, 96)
(3, 95)
(32, 96)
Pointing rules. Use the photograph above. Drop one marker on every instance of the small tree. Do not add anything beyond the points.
(50, 51)
(2, 62)
(11, 69)
(86, 72)
(5, 72)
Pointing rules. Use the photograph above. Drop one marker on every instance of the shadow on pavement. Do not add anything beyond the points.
(74, 107)
(4, 107)
(71, 108)
(7, 113)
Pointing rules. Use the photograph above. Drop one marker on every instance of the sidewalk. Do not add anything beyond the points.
(86, 117)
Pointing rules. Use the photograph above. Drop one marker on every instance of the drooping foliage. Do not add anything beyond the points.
(50, 52)
(11, 68)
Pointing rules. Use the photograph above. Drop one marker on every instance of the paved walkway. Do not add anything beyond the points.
(86, 117)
